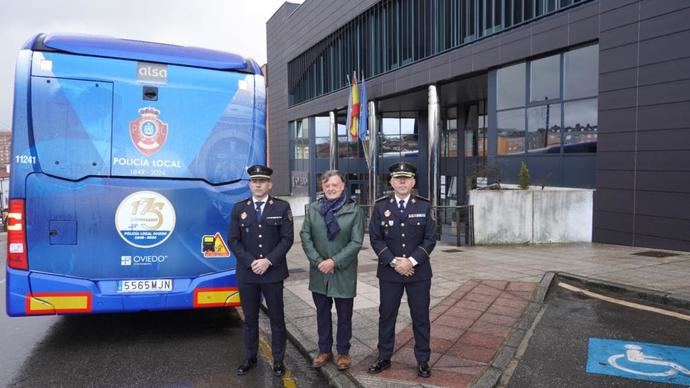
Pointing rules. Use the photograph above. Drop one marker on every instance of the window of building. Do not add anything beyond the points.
(476, 130)
(322, 137)
(581, 67)
(511, 131)
(449, 138)
(545, 79)
(299, 154)
(557, 120)
(544, 129)
(511, 86)
(580, 126)
(301, 139)
(399, 134)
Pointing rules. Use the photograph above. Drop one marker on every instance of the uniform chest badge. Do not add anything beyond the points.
(391, 222)
(387, 213)
(243, 215)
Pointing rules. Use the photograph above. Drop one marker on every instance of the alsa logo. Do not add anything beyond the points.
(148, 132)
(152, 73)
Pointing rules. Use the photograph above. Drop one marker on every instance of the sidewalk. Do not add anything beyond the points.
(478, 297)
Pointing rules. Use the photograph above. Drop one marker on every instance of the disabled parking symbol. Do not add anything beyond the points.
(639, 360)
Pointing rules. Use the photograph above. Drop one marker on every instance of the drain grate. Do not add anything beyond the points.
(451, 250)
(659, 254)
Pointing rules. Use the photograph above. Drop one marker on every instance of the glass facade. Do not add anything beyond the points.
(560, 114)
(395, 33)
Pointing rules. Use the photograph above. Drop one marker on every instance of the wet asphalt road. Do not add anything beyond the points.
(557, 352)
(198, 348)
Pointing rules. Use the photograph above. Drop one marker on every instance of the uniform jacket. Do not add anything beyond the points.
(410, 234)
(343, 249)
(270, 237)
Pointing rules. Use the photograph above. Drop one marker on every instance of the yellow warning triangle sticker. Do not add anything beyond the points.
(220, 248)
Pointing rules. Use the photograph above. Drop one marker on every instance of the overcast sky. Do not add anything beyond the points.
(228, 25)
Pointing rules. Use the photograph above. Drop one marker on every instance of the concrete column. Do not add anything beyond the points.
(333, 141)
(434, 130)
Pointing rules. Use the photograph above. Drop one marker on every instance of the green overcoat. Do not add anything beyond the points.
(343, 249)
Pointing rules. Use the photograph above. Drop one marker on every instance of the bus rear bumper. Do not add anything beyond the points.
(32, 293)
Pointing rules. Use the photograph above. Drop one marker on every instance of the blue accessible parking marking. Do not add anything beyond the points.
(639, 360)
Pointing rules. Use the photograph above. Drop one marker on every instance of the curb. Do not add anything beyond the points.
(631, 292)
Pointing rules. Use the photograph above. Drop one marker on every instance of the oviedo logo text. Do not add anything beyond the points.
(142, 260)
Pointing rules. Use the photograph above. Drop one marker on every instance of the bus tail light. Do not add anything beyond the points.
(16, 235)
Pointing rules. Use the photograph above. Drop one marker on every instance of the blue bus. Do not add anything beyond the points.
(127, 157)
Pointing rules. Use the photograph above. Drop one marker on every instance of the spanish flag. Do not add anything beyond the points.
(353, 116)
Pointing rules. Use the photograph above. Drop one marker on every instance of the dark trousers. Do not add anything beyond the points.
(343, 306)
(418, 298)
(250, 298)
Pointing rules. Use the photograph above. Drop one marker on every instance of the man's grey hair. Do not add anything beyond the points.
(331, 173)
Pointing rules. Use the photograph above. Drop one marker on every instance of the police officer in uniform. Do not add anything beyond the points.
(261, 234)
(403, 234)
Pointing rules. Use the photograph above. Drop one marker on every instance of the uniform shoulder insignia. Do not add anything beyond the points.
(246, 200)
(278, 199)
(422, 198)
(385, 197)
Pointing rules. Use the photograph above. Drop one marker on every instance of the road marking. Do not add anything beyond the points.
(625, 303)
(265, 349)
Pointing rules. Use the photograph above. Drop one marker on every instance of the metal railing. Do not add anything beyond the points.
(455, 223)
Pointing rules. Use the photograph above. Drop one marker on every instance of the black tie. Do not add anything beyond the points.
(258, 209)
(402, 206)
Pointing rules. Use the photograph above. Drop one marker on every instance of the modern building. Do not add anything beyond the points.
(589, 94)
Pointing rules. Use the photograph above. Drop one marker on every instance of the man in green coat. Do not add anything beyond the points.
(332, 235)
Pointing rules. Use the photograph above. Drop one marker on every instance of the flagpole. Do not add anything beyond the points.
(373, 140)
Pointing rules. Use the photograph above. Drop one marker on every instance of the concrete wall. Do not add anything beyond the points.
(532, 216)
(297, 204)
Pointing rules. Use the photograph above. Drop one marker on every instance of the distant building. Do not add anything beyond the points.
(5, 142)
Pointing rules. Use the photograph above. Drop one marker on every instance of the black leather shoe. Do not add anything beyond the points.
(246, 366)
(423, 370)
(379, 366)
(278, 369)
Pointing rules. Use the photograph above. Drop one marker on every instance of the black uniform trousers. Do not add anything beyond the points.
(324, 322)
(418, 299)
(250, 298)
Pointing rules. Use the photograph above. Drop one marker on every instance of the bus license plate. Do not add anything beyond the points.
(149, 285)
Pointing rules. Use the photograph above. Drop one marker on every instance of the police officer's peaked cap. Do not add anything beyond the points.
(403, 169)
(259, 171)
